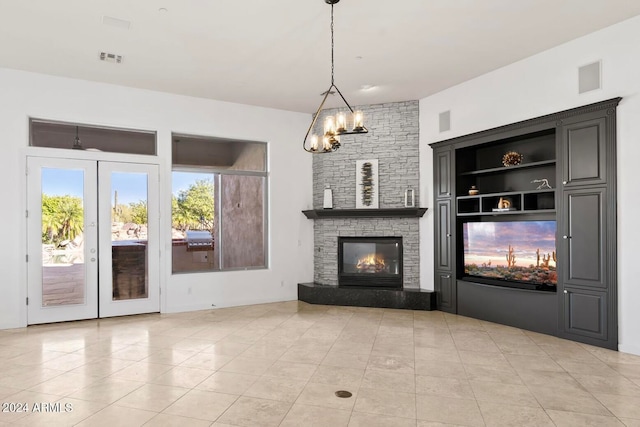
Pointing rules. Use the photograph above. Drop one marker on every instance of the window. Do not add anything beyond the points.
(70, 136)
(219, 193)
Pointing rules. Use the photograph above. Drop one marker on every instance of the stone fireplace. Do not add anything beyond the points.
(370, 261)
(392, 140)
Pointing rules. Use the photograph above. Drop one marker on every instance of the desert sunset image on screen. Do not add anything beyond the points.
(519, 251)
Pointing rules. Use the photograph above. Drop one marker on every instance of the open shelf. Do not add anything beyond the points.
(504, 169)
(480, 167)
(530, 201)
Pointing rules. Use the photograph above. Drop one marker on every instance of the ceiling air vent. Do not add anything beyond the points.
(115, 22)
(110, 57)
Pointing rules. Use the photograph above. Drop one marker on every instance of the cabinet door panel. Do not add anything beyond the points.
(445, 292)
(585, 313)
(584, 152)
(585, 238)
(444, 236)
(443, 176)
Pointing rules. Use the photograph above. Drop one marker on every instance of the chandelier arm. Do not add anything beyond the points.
(315, 117)
(343, 98)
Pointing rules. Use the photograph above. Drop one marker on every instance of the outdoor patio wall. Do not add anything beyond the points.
(27, 95)
(544, 84)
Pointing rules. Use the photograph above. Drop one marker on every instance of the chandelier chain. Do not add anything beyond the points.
(332, 44)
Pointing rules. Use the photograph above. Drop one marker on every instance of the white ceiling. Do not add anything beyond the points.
(277, 53)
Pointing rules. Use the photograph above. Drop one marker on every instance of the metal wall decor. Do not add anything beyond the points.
(333, 126)
(367, 184)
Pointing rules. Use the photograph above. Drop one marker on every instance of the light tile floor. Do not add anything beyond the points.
(281, 364)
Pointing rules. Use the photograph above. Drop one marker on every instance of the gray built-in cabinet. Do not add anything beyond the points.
(444, 182)
(575, 150)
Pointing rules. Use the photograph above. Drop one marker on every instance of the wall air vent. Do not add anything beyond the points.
(589, 77)
(445, 121)
(110, 57)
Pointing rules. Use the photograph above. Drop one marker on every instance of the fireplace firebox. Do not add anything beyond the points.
(370, 262)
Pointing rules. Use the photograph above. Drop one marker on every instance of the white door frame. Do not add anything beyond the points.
(37, 312)
(108, 306)
(36, 158)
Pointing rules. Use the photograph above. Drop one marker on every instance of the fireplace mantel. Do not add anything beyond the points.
(365, 213)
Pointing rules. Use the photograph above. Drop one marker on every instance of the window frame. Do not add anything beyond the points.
(218, 172)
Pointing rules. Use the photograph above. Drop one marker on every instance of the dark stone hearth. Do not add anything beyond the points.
(409, 299)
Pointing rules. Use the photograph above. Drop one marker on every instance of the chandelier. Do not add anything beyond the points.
(344, 123)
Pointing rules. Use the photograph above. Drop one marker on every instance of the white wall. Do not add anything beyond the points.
(544, 84)
(24, 95)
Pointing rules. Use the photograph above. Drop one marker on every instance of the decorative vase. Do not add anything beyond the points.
(328, 198)
(512, 158)
(473, 191)
(409, 198)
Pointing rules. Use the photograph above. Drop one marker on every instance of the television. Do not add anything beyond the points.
(519, 254)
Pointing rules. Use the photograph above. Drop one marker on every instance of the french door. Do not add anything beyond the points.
(93, 247)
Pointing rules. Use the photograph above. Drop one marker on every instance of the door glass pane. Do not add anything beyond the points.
(129, 254)
(243, 221)
(63, 268)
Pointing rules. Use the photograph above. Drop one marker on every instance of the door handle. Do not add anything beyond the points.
(565, 237)
(565, 291)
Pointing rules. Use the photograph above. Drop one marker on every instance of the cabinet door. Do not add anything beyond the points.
(584, 239)
(443, 236)
(445, 292)
(585, 313)
(443, 173)
(584, 152)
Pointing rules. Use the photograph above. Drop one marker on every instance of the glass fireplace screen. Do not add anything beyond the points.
(371, 258)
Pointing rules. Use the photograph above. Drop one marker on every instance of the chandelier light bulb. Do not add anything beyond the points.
(314, 142)
(358, 121)
(326, 144)
(329, 126)
(341, 123)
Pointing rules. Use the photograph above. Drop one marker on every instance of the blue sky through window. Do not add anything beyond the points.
(183, 180)
(62, 182)
(131, 187)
